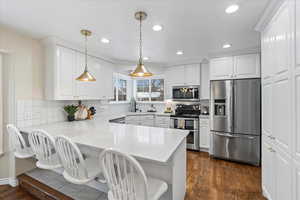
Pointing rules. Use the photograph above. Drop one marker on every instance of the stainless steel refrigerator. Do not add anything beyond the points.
(235, 107)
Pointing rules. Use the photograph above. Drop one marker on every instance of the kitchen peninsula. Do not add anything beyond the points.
(160, 151)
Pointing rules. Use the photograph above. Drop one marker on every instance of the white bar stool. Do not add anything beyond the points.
(21, 150)
(76, 169)
(43, 145)
(126, 178)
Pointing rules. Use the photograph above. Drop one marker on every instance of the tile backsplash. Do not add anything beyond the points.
(36, 112)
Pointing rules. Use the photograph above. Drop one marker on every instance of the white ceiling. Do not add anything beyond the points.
(198, 27)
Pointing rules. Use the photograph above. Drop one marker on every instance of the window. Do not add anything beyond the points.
(149, 89)
(121, 88)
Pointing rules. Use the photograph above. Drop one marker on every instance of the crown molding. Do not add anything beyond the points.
(53, 40)
(268, 13)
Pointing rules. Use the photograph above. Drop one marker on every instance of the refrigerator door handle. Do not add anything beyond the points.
(234, 136)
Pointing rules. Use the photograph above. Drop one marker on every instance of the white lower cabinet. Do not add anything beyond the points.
(276, 173)
(204, 138)
(162, 121)
(296, 181)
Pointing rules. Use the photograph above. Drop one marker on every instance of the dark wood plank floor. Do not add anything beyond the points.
(208, 179)
(211, 179)
(17, 193)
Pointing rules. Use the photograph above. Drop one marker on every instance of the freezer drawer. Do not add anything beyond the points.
(242, 148)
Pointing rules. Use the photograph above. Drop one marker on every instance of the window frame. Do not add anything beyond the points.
(150, 88)
(117, 77)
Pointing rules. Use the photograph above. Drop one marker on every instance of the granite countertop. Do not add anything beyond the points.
(150, 143)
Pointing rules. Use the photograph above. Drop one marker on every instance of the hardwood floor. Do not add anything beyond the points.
(17, 193)
(211, 179)
(207, 179)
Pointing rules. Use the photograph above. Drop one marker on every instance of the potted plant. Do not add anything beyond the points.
(71, 110)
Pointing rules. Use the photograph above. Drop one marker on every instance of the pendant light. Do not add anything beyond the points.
(86, 76)
(140, 70)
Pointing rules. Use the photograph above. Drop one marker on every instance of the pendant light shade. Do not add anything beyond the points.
(86, 76)
(141, 70)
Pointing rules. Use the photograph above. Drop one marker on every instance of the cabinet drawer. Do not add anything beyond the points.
(204, 122)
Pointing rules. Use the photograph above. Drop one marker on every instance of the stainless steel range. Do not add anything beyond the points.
(187, 117)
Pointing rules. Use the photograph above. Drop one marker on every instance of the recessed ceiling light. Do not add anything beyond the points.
(179, 52)
(145, 58)
(226, 46)
(157, 27)
(105, 40)
(232, 9)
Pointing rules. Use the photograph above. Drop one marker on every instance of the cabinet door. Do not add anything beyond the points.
(268, 170)
(132, 119)
(192, 74)
(221, 68)
(162, 121)
(267, 116)
(205, 83)
(281, 113)
(247, 66)
(204, 134)
(94, 88)
(283, 173)
(175, 76)
(106, 80)
(65, 73)
(296, 182)
(82, 88)
(147, 120)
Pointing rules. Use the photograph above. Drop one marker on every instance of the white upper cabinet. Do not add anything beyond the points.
(181, 75)
(64, 65)
(205, 83)
(175, 75)
(247, 66)
(221, 68)
(192, 74)
(237, 67)
(106, 77)
(66, 60)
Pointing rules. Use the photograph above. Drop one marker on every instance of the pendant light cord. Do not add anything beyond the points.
(85, 51)
(141, 41)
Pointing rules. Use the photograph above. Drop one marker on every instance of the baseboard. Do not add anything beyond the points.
(9, 181)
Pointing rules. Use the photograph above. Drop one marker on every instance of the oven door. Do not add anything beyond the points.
(190, 124)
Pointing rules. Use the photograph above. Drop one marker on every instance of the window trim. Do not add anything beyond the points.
(117, 76)
(150, 89)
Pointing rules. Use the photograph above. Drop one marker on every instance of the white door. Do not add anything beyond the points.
(192, 74)
(268, 170)
(283, 173)
(65, 73)
(205, 83)
(221, 68)
(247, 66)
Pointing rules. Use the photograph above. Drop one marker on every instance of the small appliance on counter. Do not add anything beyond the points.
(187, 117)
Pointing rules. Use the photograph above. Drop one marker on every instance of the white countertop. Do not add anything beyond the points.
(151, 143)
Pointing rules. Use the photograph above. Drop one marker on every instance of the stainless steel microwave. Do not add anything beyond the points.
(186, 93)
